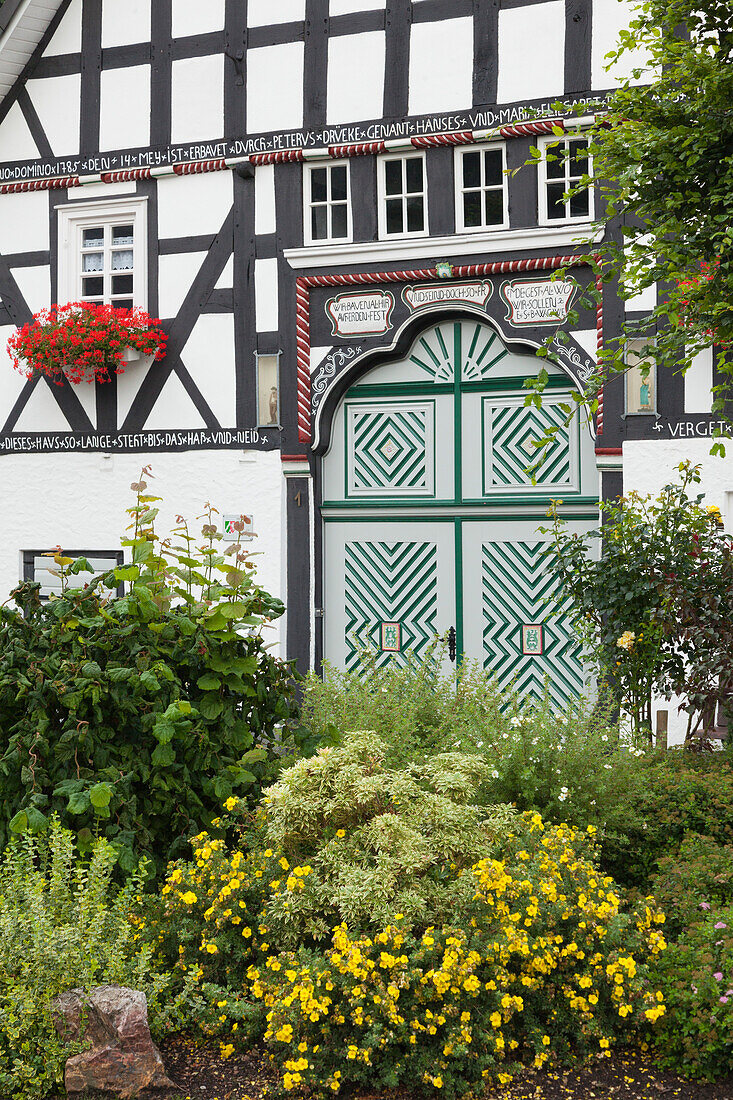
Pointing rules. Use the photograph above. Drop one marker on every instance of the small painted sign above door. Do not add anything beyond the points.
(538, 302)
(365, 313)
(422, 297)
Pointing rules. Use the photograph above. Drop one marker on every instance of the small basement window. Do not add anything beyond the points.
(37, 567)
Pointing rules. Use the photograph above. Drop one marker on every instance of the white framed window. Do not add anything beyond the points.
(327, 203)
(481, 188)
(403, 196)
(103, 252)
(564, 162)
(640, 378)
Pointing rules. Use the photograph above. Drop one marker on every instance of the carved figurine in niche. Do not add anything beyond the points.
(273, 405)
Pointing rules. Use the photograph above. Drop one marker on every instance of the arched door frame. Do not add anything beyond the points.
(569, 357)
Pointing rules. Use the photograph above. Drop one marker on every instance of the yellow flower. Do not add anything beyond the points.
(231, 803)
(212, 948)
(341, 832)
(626, 641)
(189, 897)
(227, 1050)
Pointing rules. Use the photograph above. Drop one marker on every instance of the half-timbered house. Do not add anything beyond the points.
(313, 195)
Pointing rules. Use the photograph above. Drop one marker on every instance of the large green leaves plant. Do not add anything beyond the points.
(138, 715)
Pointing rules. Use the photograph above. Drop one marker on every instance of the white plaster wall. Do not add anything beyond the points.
(355, 77)
(209, 356)
(175, 276)
(648, 466)
(441, 66)
(275, 87)
(78, 501)
(124, 113)
(265, 199)
(67, 38)
(24, 225)
(262, 13)
(266, 295)
(531, 52)
(16, 140)
(193, 17)
(189, 206)
(609, 18)
(197, 98)
(57, 102)
(125, 22)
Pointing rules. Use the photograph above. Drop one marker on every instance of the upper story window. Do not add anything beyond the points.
(481, 191)
(327, 203)
(103, 254)
(562, 167)
(403, 196)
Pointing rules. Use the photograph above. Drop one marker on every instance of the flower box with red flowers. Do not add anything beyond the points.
(86, 342)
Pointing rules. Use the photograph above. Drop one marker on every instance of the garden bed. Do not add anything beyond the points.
(201, 1074)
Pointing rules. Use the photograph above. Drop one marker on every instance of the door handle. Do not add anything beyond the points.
(452, 644)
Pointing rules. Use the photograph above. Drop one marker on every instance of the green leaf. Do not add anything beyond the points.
(208, 682)
(149, 680)
(79, 803)
(119, 675)
(81, 565)
(100, 795)
(127, 573)
(210, 707)
(19, 823)
(163, 756)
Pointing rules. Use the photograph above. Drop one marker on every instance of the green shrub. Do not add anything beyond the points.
(695, 1036)
(697, 877)
(138, 715)
(683, 792)
(62, 926)
(417, 710)
(544, 965)
(569, 765)
(341, 837)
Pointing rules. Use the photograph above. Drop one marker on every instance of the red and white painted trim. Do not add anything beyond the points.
(599, 347)
(304, 284)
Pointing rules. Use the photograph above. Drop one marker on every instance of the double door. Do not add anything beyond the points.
(431, 520)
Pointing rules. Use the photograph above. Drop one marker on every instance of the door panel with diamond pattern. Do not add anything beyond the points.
(391, 448)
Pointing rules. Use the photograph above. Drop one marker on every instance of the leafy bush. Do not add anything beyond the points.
(139, 714)
(62, 926)
(417, 709)
(569, 765)
(694, 879)
(683, 793)
(341, 837)
(546, 965)
(696, 977)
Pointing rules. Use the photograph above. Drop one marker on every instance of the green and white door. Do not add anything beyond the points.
(431, 521)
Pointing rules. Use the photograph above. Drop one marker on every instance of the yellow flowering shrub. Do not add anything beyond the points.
(544, 966)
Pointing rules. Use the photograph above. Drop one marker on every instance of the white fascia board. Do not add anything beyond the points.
(407, 249)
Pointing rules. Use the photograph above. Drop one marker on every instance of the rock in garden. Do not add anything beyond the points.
(122, 1058)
